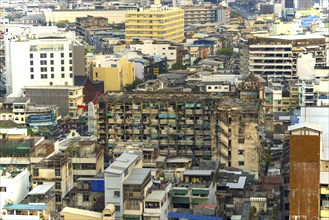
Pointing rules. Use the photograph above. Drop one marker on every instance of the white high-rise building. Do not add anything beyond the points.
(38, 56)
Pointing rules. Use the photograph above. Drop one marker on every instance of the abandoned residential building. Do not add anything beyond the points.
(181, 124)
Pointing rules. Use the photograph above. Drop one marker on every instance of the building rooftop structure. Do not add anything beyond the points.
(83, 213)
(237, 185)
(157, 195)
(198, 172)
(80, 146)
(235, 104)
(11, 100)
(39, 207)
(41, 189)
(137, 176)
(54, 87)
(122, 163)
(57, 160)
(156, 96)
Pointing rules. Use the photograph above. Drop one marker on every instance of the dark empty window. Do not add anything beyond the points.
(57, 172)
(86, 198)
(57, 185)
(35, 172)
(58, 198)
(116, 193)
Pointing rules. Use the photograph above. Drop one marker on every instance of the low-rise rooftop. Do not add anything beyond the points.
(138, 176)
(122, 163)
(41, 189)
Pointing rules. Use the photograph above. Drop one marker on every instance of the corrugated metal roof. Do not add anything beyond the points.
(198, 172)
(137, 176)
(41, 189)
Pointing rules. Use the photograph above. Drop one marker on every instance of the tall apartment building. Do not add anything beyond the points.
(38, 56)
(293, 94)
(238, 135)
(181, 124)
(57, 170)
(160, 23)
(276, 56)
(87, 157)
(206, 14)
(115, 176)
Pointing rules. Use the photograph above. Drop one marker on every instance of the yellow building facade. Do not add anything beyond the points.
(156, 23)
(115, 76)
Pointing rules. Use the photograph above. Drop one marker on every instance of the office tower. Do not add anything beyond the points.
(156, 22)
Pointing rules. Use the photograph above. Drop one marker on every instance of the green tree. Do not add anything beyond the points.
(225, 51)
(252, 213)
(178, 66)
(197, 60)
(134, 85)
(235, 14)
(62, 23)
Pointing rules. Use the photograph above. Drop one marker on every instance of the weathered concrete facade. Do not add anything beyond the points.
(181, 124)
(238, 135)
(304, 176)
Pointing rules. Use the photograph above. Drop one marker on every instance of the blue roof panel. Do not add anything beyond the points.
(25, 207)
